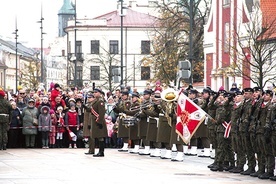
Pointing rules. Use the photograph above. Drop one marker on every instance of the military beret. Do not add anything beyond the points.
(125, 92)
(193, 91)
(90, 95)
(221, 91)
(270, 92)
(98, 90)
(247, 90)
(238, 93)
(257, 89)
(206, 90)
(147, 92)
(135, 94)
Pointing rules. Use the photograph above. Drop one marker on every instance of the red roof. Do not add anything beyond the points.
(268, 8)
(131, 19)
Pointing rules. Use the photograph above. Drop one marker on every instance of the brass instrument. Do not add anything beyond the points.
(169, 95)
(143, 106)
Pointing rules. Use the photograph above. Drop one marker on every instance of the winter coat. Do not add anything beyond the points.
(99, 129)
(44, 120)
(16, 118)
(28, 114)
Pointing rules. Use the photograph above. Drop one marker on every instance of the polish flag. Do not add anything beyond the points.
(189, 117)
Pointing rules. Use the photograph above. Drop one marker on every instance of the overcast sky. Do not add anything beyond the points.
(28, 12)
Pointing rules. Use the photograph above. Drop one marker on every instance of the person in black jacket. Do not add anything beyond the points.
(15, 124)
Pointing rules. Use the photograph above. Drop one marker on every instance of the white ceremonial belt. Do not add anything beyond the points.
(161, 114)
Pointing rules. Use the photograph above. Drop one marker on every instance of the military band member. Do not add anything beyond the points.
(133, 130)
(143, 124)
(273, 135)
(153, 121)
(123, 131)
(98, 125)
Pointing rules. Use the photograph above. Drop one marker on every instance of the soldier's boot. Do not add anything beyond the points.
(231, 166)
(4, 146)
(233, 169)
(101, 150)
(266, 175)
(156, 153)
(146, 151)
(238, 170)
(193, 151)
(124, 148)
(226, 165)
(167, 155)
(135, 150)
(248, 171)
(273, 178)
(179, 157)
(212, 165)
(206, 153)
(259, 172)
(186, 150)
(218, 167)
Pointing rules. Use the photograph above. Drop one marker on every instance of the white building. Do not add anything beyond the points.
(98, 46)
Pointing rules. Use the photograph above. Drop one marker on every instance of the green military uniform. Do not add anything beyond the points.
(273, 135)
(5, 114)
(245, 139)
(265, 156)
(236, 138)
(164, 129)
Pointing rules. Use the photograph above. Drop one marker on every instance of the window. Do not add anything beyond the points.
(79, 47)
(79, 72)
(95, 73)
(226, 37)
(95, 46)
(113, 47)
(145, 73)
(226, 2)
(145, 47)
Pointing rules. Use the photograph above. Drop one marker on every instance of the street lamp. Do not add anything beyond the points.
(41, 47)
(16, 62)
(122, 63)
(75, 15)
(191, 40)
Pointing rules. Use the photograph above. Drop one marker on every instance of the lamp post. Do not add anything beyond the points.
(122, 63)
(191, 40)
(41, 47)
(75, 40)
(16, 62)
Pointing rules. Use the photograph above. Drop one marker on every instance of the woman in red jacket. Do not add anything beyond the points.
(72, 124)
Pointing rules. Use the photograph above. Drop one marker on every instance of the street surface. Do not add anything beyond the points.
(72, 166)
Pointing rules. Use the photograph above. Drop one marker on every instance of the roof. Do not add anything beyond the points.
(268, 8)
(131, 19)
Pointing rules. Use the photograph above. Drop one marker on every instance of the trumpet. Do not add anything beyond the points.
(143, 106)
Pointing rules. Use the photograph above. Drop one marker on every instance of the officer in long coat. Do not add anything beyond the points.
(5, 114)
(98, 125)
(87, 122)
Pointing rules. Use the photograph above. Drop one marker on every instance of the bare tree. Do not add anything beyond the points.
(29, 75)
(254, 53)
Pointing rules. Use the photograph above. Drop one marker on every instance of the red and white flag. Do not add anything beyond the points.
(189, 117)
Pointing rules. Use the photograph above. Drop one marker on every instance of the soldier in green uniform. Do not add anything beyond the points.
(243, 129)
(263, 142)
(235, 135)
(222, 115)
(98, 125)
(123, 131)
(87, 123)
(273, 134)
(256, 103)
(5, 114)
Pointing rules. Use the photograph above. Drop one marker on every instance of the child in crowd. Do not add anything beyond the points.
(72, 124)
(109, 126)
(44, 125)
(60, 126)
(52, 134)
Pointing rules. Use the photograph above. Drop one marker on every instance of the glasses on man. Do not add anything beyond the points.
(22, 93)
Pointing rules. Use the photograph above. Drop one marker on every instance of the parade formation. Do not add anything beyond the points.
(235, 127)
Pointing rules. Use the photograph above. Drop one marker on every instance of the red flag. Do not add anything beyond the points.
(189, 117)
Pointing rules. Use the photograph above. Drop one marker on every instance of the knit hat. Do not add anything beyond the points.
(2, 93)
(52, 111)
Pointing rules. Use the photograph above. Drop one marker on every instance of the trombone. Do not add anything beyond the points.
(142, 106)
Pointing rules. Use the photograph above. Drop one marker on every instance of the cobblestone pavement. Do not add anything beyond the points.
(56, 166)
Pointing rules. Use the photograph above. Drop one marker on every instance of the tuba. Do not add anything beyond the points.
(169, 95)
